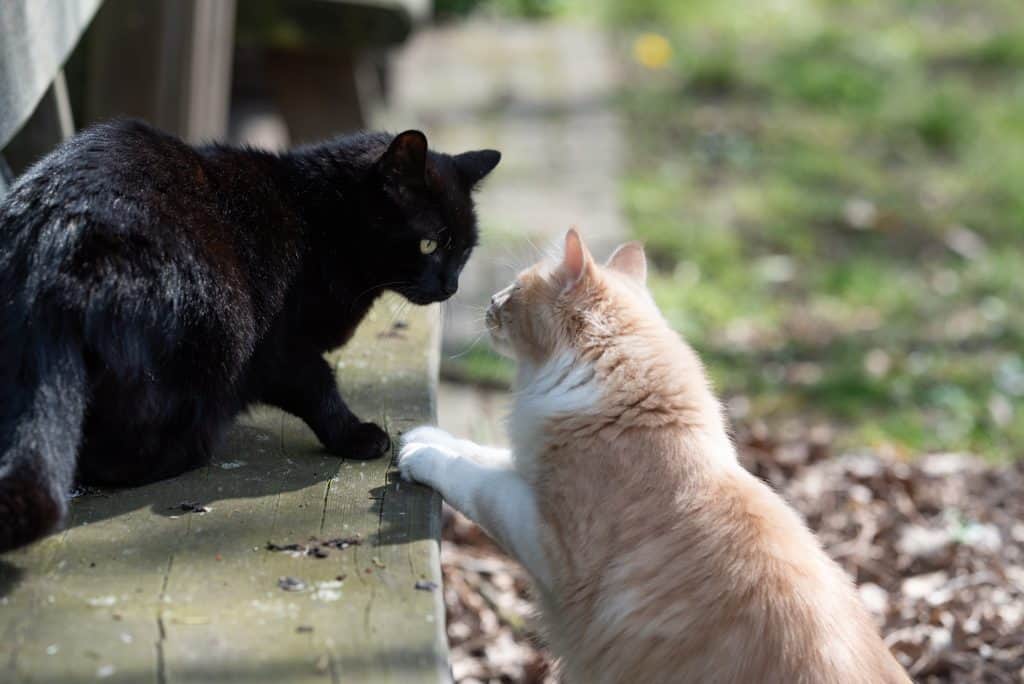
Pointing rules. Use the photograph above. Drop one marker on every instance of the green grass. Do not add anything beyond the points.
(478, 365)
(833, 195)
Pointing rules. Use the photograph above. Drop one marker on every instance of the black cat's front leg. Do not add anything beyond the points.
(306, 387)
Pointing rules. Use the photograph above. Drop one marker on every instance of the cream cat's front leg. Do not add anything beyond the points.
(484, 455)
(481, 483)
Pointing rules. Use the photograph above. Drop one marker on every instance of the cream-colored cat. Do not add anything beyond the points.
(656, 556)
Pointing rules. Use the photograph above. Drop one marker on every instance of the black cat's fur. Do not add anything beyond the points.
(150, 290)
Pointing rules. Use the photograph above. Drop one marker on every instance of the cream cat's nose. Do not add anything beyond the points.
(499, 298)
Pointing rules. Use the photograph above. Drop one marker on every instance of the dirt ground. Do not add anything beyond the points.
(936, 547)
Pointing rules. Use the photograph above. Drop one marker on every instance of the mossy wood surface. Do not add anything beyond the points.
(138, 590)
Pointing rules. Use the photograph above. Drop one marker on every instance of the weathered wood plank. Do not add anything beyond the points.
(137, 590)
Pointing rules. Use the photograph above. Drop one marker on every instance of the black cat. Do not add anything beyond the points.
(150, 290)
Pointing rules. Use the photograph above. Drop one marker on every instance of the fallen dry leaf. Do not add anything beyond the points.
(936, 546)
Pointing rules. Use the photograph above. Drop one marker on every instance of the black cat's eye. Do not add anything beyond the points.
(428, 246)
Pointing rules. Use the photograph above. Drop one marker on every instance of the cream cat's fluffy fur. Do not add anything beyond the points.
(656, 556)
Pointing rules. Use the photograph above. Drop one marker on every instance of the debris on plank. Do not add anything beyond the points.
(395, 331)
(291, 583)
(315, 548)
(327, 591)
(230, 465)
(85, 490)
(191, 507)
(102, 601)
(343, 542)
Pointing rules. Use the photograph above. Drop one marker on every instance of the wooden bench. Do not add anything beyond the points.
(143, 586)
(175, 582)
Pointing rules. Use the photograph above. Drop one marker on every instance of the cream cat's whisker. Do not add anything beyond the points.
(507, 260)
(469, 347)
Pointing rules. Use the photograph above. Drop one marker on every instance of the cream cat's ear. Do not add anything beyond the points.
(576, 260)
(630, 259)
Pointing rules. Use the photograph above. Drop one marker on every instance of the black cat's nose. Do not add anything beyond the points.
(449, 286)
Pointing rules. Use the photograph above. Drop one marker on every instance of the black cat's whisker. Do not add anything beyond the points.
(400, 311)
(502, 260)
(467, 305)
(370, 289)
(552, 252)
(507, 264)
(516, 261)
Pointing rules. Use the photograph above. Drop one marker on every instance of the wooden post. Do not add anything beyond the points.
(211, 38)
(6, 177)
(166, 61)
(49, 125)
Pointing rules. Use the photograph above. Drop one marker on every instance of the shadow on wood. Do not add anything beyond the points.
(137, 589)
(9, 577)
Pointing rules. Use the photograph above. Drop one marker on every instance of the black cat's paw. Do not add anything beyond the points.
(363, 442)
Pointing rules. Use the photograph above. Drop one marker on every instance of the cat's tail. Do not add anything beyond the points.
(43, 393)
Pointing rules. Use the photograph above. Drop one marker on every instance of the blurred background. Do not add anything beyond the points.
(831, 193)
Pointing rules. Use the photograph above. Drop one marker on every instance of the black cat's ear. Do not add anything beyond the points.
(406, 157)
(473, 166)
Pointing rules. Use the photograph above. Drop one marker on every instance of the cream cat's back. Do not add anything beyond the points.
(673, 563)
(672, 573)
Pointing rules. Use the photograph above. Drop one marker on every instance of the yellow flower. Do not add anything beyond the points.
(652, 50)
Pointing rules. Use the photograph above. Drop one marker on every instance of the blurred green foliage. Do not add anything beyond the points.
(531, 9)
(833, 193)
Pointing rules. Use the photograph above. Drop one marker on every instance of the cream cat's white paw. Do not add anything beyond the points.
(430, 434)
(424, 452)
